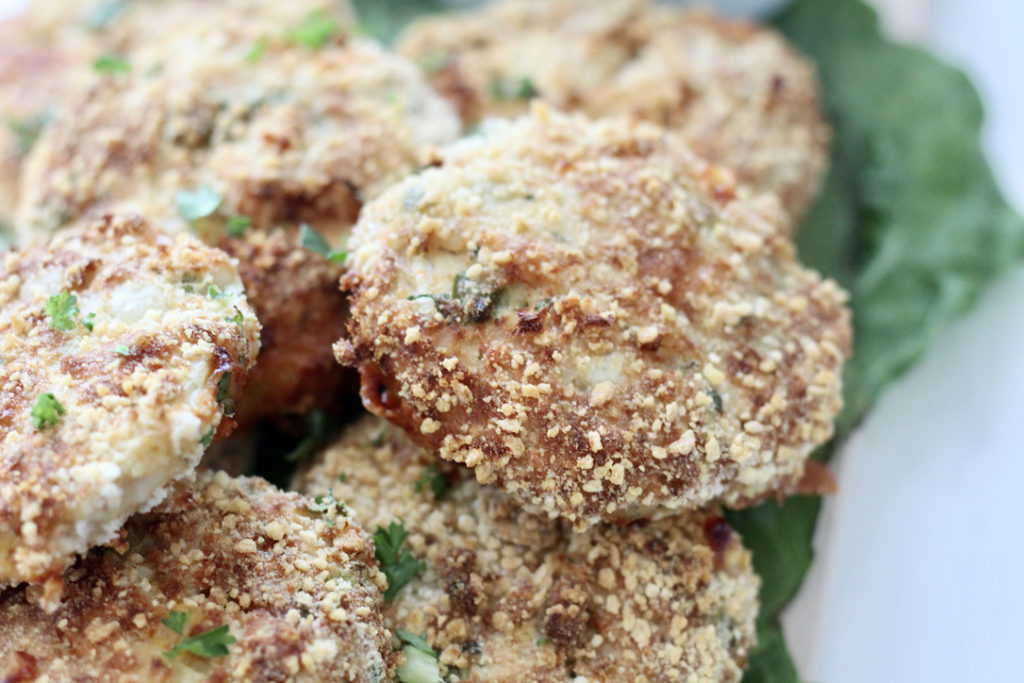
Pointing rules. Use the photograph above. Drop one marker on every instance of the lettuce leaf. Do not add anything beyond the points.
(910, 222)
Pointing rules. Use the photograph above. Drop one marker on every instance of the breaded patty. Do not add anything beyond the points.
(123, 352)
(297, 592)
(595, 320)
(509, 596)
(245, 137)
(737, 92)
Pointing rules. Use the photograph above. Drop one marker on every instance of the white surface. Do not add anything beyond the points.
(921, 553)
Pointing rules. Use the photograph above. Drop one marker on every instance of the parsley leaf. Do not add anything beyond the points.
(223, 394)
(326, 502)
(435, 479)
(501, 89)
(122, 350)
(211, 643)
(111, 64)
(237, 225)
(215, 293)
(88, 321)
(62, 309)
(313, 241)
(320, 430)
(198, 203)
(238, 319)
(46, 411)
(398, 565)
(421, 661)
(208, 437)
(176, 621)
(314, 31)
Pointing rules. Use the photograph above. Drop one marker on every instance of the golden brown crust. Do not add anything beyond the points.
(142, 391)
(510, 596)
(299, 591)
(595, 320)
(738, 93)
(292, 135)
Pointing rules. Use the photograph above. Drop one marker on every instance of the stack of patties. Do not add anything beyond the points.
(582, 329)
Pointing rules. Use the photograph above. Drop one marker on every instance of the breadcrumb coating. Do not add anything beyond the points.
(272, 133)
(595, 321)
(510, 596)
(298, 590)
(123, 351)
(738, 93)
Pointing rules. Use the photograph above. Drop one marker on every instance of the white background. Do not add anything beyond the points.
(921, 553)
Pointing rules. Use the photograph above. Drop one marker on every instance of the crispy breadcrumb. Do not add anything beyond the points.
(233, 144)
(123, 352)
(738, 93)
(509, 596)
(595, 321)
(297, 589)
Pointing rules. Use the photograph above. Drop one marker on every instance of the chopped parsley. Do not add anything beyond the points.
(238, 319)
(26, 131)
(223, 389)
(237, 225)
(122, 350)
(88, 321)
(255, 53)
(435, 479)
(501, 89)
(207, 437)
(326, 502)
(397, 563)
(215, 293)
(313, 241)
(320, 429)
(46, 411)
(211, 643)
(342, 477)
(62, 309)
(198, 203)
(421, 662)
(313, 32)
(470, 301)
(111, 64)
(542, 641)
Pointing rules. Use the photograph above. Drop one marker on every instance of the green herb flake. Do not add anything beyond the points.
(342, 477)
(46, 411)
(211, 643)
(176, 622)
(26, 130)
(111, 64)
(88, 322)
(239, 320)
(326, 502)
(215, 293)
(207, 437)
(62, 309)
(257, 51)
(434, 479)
(398, 565)
(198, 203)
(421, 661)
(313, 241)
(237, 225)
(542, 641)
(314, 32)
(320, 430)
(502, 90)
(223, 394)
(122, 350)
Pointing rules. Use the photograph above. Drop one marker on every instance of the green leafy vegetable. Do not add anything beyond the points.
(207, 438)
(421, 662)
(314, 32)
(46, 411)
(398, 565)
(198, 203)
(111, 64)
(89, 321)
(313, 241)
(237, 225)
(62, 309)
(211, 643)
(435, 480)
(910, 222)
